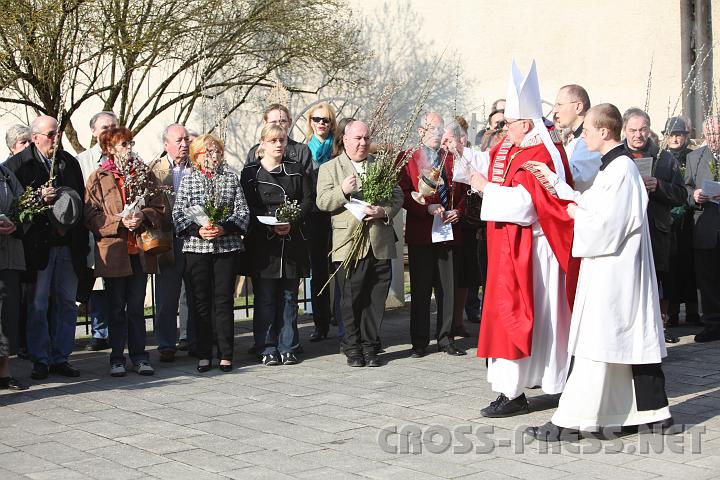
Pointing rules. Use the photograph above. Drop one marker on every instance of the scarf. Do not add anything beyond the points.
(321, 150)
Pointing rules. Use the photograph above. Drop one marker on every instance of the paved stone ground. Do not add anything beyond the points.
(322, 419)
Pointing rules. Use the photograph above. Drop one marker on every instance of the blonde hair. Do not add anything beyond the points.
(331, 115)
(199, 145)
(270, 131)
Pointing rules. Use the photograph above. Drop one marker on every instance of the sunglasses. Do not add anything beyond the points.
(324, 120)
(50, 134)
(127, 143)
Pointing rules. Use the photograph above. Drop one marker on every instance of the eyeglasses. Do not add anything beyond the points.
(558, 104)
(50, 134)
(127, 143)
(210, 152)
(510, 122)
(324, 120)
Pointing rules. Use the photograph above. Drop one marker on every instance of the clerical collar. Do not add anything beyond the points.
(578, 131)
(615, 152)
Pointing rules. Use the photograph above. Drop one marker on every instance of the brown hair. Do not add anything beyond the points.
(198, 146)
(331, 116)
(607, 115)
(579, 94)
(113, 136)
(276, 106)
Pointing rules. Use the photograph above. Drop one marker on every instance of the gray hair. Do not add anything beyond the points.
(635, 112)
(455, 129)
(16, 133)
(167, 130)
(95, 117)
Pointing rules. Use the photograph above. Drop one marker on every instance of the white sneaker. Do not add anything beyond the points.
(117, 370)
(143, 368)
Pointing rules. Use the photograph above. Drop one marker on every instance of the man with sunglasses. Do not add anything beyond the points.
(571, 105)
(55, 252)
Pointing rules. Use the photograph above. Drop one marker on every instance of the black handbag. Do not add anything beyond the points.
(473, 205)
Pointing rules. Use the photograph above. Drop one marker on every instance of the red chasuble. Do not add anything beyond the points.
(507, 314)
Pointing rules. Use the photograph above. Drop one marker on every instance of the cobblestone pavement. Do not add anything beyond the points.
(322, 419)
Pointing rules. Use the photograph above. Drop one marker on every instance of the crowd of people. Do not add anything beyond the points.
(527, 233)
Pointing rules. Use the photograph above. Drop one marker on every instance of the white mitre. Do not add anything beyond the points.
(523, 101)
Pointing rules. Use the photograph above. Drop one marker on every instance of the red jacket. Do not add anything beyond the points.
(418, 225)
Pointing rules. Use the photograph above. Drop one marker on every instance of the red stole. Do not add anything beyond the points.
(508, 313)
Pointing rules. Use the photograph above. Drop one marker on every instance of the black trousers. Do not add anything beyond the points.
(319, 234)
(707, 270)
(9, 311)
(364, 293)
(431, 266)
(212, 285)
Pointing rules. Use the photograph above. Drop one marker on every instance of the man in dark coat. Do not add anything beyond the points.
(56, 249)
(665, 189)
(703, 165)
(680, 285)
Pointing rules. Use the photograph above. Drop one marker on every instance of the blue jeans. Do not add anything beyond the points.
(276, 314)
(126, 314)
(51, 335)
(98, 315)
(168, 286)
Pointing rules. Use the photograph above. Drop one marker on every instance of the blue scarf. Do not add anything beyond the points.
(321, 150)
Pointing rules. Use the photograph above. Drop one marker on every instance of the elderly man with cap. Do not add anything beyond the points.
(680, 284)
(56, 248)
(531, 274)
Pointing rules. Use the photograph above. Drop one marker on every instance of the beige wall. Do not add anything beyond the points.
(606, 46)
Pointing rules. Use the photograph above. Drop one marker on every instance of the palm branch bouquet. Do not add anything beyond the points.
(27, 206)
(214, 208)
(138, 182)
(288, 212)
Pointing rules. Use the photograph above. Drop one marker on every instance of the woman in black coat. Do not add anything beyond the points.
(277, 254)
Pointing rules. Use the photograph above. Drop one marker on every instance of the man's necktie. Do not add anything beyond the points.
(442, 188)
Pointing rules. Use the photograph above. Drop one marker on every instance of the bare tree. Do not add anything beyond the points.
(144, 58)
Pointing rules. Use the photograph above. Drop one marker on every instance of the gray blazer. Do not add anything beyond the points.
(330, 198)
(707, 215)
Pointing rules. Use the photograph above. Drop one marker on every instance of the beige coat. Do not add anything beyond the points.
(330, 198)
(160, 167)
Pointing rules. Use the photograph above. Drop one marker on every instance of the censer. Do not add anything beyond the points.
(428, 182)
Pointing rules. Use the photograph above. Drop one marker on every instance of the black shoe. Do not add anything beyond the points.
(552, 433)
(460, 332)
(270, 359)
(183, 345)
(289, 358)
(670, 337)
(502, 407)
(451, 349)
(355, 360)
(11, 383)
(372, 360)
(709, 334)
(64, 369)
(98, 344)
(167, 355)
(225, 368)
(39, 371)
(202, 368)
(474, 319)
(317, 335)
(418, 353)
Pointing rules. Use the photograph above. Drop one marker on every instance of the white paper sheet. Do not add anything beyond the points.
(357, 208)
(197, 214)
(132, 208)
(711, 189)
(644, 164)
(441, 232)
(270, 220)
